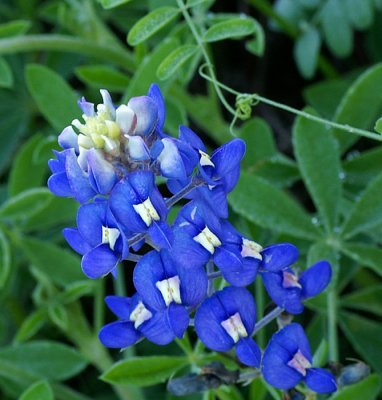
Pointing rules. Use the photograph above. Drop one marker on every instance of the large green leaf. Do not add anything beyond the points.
(60, 265)
(5, 259)
(368, 299)
(366, 255)
(14, 28)
(26, 204)
(269, 207)
(50, 360)
(150, 24)
(368, 388)
(365, 336)
(54, 97)
(361, 105)
(143, 371)
(367, 210)
(171, 64)
(40, 390)
(319, 162)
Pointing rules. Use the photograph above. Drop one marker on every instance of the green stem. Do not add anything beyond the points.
(332, 325)
(259, 294)
(281, 106)
(99, 305)
(263, 6)
(206, 56)
(67, 44)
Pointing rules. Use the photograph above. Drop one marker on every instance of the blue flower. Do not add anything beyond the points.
(98, 238)
(285, 288)
(138, 206)
(227, 319)
(165, 286)
(137, 320)
(287, 361)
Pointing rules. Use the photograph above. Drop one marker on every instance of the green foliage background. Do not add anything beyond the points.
(308, 183)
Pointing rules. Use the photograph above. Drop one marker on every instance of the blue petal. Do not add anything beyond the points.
(320, 381)
(315, 279)
(147, 272)
(58, 184)
(101, 173)
(178, 318)
(189, 156)
(119, 334)
(288, 298)
(274, 366)
(235, 299)
(155, 93)
(90, 218)
(86, 107)
(170, 161)
(208, 326)
(76, 241)
(229, 181)
(249, 352)
(161, 234)
(190, 137)
(228, 156)
(146, 111)
(143, 183)
(193, 285)
(99, 261)
(216, 198)
(119, 305)
(68, 138)
(137, 148)
(279, 256)
(158, 329)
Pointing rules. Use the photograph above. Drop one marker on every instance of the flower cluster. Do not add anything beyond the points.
(198, 267)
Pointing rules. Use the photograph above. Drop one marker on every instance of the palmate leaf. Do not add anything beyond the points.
(319, 162)
(144, 371)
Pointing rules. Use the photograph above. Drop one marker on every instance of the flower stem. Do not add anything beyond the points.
(332, 324)
(267, 319)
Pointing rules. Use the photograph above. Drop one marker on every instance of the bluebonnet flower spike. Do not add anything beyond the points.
(287, 361)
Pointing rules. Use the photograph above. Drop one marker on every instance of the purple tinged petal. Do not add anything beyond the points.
(320, 381)
(190, 137)
(155, 94)
(170, 161)
(178, 319)
(315, 279)
(86, 107)
(249, 352)
(228, 156)
(279, 256)
(125, 119)
(76, 241)
(146, 111)
(68, 139)
(119, 334)
(119, 305)
(137, 148)
(101, 173)
(99, 261)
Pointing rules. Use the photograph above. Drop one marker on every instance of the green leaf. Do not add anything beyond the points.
(6, 76)
(360, 106)
(368, 299)
(58, 315)
(54, 97)
(40, 390)
(143, 371)
(257, 45)
(361, 168)
(269, 207)
(306, 51)
(102, 76)
(320, 356)
(366, 255)
(337, 32)
(150, 24)
(146, 73)
(108, 4)
(31, 325)
(60, 265)
(171, 64)
(14, 28)
(5, 259)
(25, 204)
(378, 125)
(368, 388)
(48, 359)
(359, 12)
(231, 29)
(365, 336)
(314, 147)
(367, 210)
(27, 172)
(77, 290)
